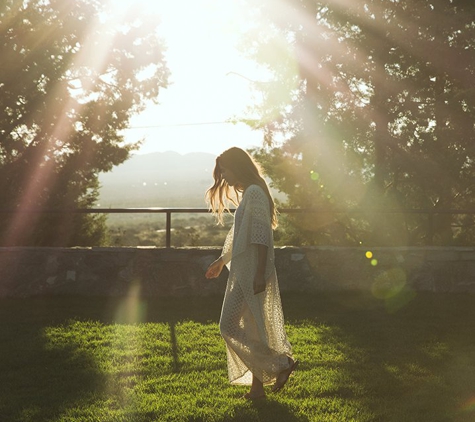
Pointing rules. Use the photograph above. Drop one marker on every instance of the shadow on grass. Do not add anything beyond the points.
(412, 363)
(33, 386)
(265, 410)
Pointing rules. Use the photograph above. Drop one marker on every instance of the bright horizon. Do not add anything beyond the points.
(209, 82)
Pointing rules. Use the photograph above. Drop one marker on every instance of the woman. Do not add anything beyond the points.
(252, 322)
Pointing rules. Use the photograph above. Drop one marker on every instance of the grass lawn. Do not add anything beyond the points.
(130, 359)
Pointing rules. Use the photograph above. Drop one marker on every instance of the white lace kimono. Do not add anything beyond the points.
(252, 325)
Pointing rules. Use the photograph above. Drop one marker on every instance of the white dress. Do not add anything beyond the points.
(252, 325)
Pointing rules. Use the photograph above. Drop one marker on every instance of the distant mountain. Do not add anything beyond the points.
(161, 179)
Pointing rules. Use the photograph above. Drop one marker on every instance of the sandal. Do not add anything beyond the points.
(284, 376)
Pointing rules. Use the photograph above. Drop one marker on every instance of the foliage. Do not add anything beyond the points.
(148, 359)
(72, 75)
(371, 105)
(149, 230)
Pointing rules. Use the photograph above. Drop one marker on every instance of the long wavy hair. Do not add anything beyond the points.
(220, 195)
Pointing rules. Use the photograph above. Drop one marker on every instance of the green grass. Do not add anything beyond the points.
(362, 359)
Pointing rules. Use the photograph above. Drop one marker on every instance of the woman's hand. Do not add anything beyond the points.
(215, 268)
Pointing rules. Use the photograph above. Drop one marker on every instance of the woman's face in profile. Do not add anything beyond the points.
(228, 175)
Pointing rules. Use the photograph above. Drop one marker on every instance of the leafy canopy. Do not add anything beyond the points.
(72, 75)
(371, 105)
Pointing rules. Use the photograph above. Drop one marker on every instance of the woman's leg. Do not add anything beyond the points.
(234, 311)
(257, 390)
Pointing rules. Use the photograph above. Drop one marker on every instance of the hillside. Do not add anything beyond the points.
(162, 179)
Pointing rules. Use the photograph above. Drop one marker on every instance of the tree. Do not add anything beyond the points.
(378, 114)
(71, 77)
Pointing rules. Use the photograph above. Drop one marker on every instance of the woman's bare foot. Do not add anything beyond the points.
(257, 390)
(254, 395)
(284, 375)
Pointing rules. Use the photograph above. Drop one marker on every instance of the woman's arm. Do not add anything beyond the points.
(215, 268)
(227, 251)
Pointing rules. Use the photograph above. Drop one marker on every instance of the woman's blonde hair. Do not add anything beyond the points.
(247, 172)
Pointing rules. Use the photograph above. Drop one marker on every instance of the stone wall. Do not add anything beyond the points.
(173, 272)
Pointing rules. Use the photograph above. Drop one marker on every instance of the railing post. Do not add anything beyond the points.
(168, 242)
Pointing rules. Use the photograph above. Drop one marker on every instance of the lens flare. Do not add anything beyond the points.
(314, 176)
(132, 309)
(374, 262)
(368, 254)
(389, 283)
(468, 406)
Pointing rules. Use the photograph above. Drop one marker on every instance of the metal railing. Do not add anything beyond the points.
(169, 211)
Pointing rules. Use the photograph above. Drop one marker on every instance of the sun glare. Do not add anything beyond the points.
(201, 27)
(210, 82)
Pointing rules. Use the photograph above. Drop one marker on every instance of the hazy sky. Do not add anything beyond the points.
(201, 37)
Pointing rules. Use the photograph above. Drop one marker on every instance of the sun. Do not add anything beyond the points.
(206, 28)
(210, 76)
(194, 32)
(185, 19)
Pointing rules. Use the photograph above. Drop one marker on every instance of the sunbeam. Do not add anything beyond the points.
(62, 126)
